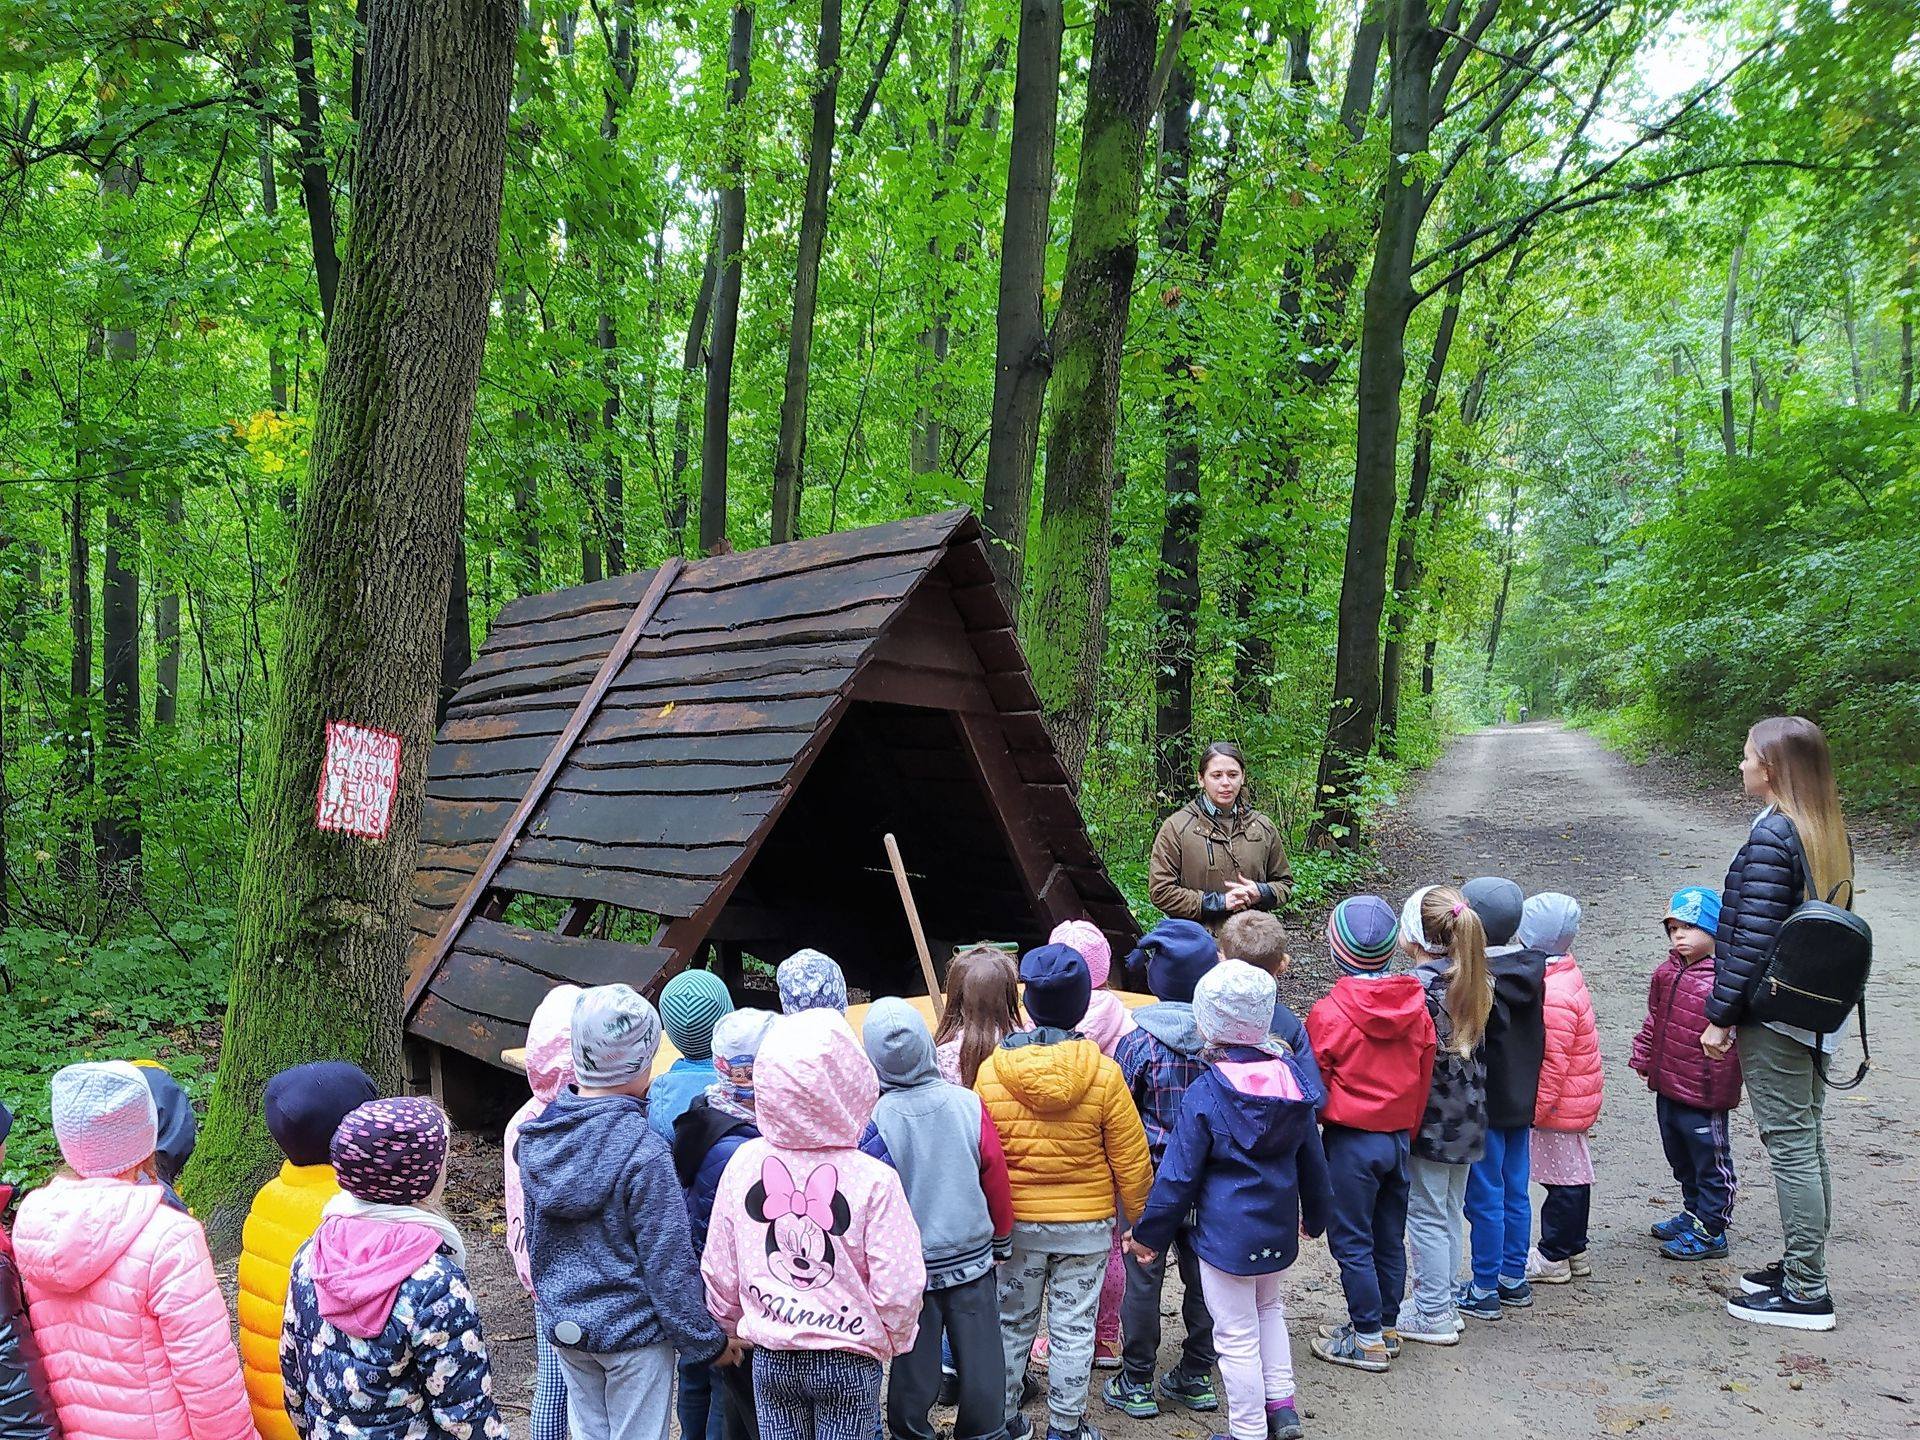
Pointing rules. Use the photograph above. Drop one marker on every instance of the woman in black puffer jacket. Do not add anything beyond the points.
(26, 1409)
(1797, 846)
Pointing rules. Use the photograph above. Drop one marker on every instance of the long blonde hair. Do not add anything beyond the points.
(1448, 920)
(983, 1005)
(1800, 779)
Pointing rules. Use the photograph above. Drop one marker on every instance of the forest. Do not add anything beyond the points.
(1330, 375)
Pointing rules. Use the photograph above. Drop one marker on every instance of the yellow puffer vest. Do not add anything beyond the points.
(1072, 1137)
(284, 1216)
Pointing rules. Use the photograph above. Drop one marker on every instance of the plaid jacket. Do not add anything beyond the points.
(1158, 1073)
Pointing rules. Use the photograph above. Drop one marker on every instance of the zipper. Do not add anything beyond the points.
(1776, 985)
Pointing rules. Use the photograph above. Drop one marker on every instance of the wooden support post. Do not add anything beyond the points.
(913, 923)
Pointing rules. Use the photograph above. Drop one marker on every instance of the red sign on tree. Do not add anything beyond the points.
(357, 780)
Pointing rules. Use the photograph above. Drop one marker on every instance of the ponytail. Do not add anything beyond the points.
(1448, 920)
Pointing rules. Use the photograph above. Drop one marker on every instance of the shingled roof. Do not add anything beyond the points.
(717, 746)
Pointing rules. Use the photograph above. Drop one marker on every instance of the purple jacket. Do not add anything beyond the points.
(1667, 1049)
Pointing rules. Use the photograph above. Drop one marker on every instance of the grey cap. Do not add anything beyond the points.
(1499, 903)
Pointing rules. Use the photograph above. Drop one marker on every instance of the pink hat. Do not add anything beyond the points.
(104, 1118)
(1091, 942)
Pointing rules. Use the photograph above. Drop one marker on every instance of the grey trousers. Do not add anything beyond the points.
(628, 1396)
(1070, 1286)
(1436, 1235)
(1789, 1102)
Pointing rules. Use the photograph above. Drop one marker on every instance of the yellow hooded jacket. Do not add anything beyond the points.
(1069, 1128)
(284, 1216)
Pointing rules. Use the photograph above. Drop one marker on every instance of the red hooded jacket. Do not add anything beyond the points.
(1374, 1041)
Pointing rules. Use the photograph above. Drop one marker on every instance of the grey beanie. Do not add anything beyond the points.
(1549, 922)
(1499, 903)
(616, 1033)
(1233, 1004)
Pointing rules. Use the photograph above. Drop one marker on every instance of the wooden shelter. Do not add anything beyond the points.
(701, 760)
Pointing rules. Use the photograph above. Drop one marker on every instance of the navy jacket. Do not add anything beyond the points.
(704, 1140)
(1516, 1037)
(1766, 882)
(1292, 1029)
(26, 1407)
(1247, 1165)
(607, 1230)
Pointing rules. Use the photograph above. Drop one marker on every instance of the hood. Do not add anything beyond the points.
(1549, 922)
(1519, 977)
(1266, 1104)
(1388, 1007)
(814, 1087)
(359, 1266)
(70, 1232)
(1048, 1071)
(176, 1130)
(550, 1043)
(588, 1147)
(1171, 1023)
(700, 1128)
(899, 1045)
(1106, 1020)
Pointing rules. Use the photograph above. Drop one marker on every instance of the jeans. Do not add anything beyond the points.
(968, 1316)
(1140, 1314)
(1563, 1221)
(1500, 1211)
(698, 1404)
(1367, 1225)
(628, 1396)
(1256, 1360)
(1700, 1153)
(816, 1394)
(1070, 1286)
(1789, 1100)
(1436, 1234)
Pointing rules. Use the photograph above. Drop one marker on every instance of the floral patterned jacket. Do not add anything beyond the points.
(424, 1377)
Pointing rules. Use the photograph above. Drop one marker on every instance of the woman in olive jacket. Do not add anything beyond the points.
(1217, 855)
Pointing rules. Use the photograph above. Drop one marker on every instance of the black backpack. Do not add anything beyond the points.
(1817, 971)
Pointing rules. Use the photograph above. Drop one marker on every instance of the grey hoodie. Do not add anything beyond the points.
(923, 1126)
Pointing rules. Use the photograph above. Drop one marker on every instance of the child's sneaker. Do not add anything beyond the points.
(1389, 1335)
(1019, 1428)
(1196, 1392)
(949, 1387)
(1765, 1280)
(1082, 1431)
(1695, 1244)
(1106, 1355)
(1430, 1329)
(1518, 1297)
(1284, 1424)
(1468, 1301)
(1582, 1267)
(1130, 1397)
(1673, 1225)
(1042, 1348)
(1542, 1271)
(1344, 1347)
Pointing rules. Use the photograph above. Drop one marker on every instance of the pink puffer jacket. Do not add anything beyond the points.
(549, 1071)
(128, 1315)
(1570, 1076)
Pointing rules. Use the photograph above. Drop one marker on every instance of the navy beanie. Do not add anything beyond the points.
(178, 1131)
(306, 1104)
(1058, 986)
(1499, 903)
(6, 1122)
(1176, 953)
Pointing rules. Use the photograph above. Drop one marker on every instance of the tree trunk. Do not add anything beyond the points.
(166, 624)
(276, 355)
(614, 474)
(726, 312)
(310, 140)
(1506, 572)
(1729, 437)
(1176, 627)
(1066, 607)
(1909, 283)
(691, 358)
(790, 449)
(934, 337)
(319, 966)
(78, 768)
(1022, 359)
(1849, 322)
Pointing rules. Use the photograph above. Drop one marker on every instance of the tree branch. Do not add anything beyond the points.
(865, 107)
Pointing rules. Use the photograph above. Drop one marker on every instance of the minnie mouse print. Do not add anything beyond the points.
(801, 1220)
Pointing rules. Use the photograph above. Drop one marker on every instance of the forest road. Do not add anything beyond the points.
(1645, 1346)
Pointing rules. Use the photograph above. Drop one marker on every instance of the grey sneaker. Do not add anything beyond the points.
(1345, 1348)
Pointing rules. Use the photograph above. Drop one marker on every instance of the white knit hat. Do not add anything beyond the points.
(104, 1118)
(1233, 1004)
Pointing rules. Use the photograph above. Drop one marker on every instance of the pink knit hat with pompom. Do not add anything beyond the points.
(1091, 942)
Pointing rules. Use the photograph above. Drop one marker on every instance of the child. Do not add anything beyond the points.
(983, 1008)
(813, 1257)
(26, 1405)
(1245, 1161)
(1444, 939)
(1568, 1101)
(382, 1334)
(120, 1289)
(1073, 1142)
(1692, 1093)
(178, 1132)
(691, 1004)
(549, 1071)
(1375, 1043)
(925, 1128)
(607, 1240)
(704, 1140)
(808, 980)
(303, 1106)
(1261, 940)
(1159, 1060)
(1499, 1206)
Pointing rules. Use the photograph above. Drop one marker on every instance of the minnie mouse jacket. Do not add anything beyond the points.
(811, 1245)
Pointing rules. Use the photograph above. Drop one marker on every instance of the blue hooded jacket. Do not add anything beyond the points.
(1246, 1161)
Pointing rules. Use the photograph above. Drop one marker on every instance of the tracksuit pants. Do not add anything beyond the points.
(1367, 1231)
(1500, 1210)
(1701, 1154)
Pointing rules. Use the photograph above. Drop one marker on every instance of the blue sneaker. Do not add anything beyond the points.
(1196, 1392)
(1284, 1424)
(1481, 1307)
(1695, 1244)
(1672, 1227)
(1129, 1397)
(1518, 1296)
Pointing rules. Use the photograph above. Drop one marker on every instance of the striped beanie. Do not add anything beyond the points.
(1362, 933)
(690, 1005)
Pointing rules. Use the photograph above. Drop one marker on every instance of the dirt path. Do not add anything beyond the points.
(1645, 1346)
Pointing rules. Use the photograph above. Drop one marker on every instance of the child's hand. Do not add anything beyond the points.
(1139, 1252)
(731, 1356)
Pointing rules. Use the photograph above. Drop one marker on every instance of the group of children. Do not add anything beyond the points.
(793, 1218)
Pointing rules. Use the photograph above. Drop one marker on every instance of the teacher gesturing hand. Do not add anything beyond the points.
(1217, 855)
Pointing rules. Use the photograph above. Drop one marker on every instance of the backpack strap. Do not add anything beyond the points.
(1866, 1056)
